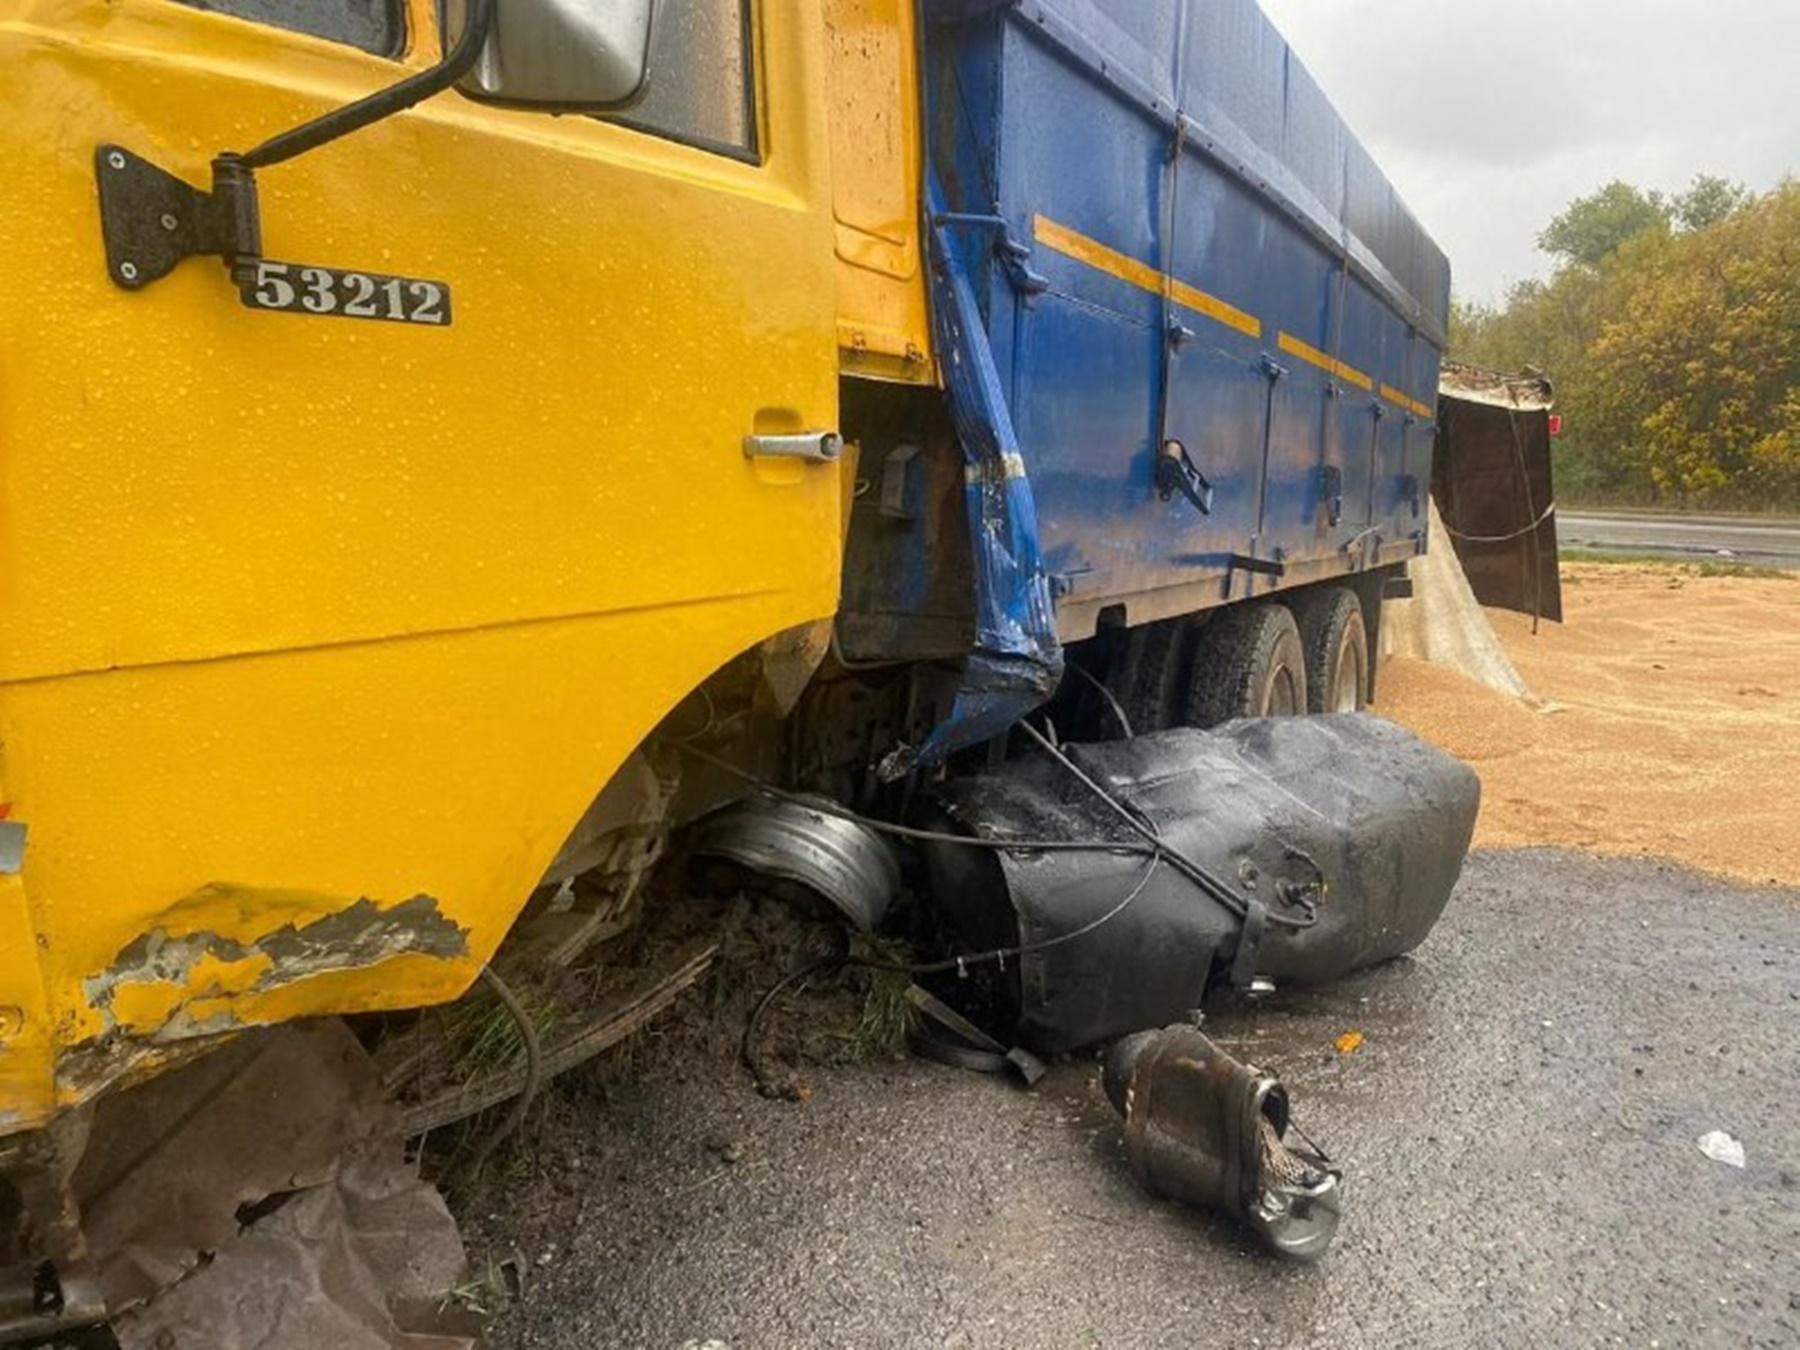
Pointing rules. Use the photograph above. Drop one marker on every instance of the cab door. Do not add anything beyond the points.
(311, 623)
(631, 297)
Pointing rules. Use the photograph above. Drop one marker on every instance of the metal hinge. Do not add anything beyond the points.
(151, 220)
(1176, 472)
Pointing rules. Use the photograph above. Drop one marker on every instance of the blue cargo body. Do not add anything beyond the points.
(1179, 251)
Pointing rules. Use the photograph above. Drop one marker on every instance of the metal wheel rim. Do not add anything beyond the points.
(1347, 684)
(1281, 698)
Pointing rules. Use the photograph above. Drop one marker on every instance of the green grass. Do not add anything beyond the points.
(886, 1016)
(1637, 506)
(479, 1035)
(1697, 567)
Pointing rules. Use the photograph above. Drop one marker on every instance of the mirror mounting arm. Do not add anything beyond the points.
(382, 103)
(150, 219)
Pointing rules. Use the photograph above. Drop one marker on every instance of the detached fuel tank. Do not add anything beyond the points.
(1346, 832)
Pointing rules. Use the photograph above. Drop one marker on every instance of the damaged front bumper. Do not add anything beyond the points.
(178, 986)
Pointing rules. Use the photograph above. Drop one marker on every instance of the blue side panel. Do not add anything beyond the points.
(1090, 456)
(1200, 262)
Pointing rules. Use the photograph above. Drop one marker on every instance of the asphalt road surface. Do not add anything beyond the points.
(1519, 1131)
(1766, 543)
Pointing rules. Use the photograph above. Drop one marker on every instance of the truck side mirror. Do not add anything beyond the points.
(559, 55)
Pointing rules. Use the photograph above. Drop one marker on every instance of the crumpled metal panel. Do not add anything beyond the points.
(1017, 660)
(363, 1262)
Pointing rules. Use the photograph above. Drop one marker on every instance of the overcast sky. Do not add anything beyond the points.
(1490, 115)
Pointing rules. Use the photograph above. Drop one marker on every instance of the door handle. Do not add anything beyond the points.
(819, 446)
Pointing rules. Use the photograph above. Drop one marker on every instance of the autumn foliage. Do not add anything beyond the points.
(1672, 332)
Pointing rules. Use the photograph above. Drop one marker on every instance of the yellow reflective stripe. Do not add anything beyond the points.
(1407, 401)
(1074, 244)
(1293, 346)
(1078, 246)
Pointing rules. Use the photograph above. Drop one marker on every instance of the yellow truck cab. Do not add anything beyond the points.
(320, 635)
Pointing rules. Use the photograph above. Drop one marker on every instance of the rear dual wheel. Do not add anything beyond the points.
(1337, 649)
(1249, 663)
(1267, 660)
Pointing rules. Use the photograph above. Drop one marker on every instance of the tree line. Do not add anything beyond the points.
(1671, 330)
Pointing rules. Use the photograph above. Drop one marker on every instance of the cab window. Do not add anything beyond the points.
(701, 89)
(374, 25)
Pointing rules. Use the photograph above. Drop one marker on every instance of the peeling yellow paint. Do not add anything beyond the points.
(146, 1007)
(205, 956)
(231, 957)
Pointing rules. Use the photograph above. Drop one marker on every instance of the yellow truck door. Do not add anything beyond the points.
(317, 635)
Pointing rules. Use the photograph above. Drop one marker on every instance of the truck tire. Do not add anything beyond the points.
(1149, 686)
(1336, 645)
(1249, 663)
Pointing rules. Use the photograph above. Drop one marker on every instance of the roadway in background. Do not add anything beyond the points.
(1774, 542)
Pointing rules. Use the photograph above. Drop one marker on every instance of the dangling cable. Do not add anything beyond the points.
(1194, 872)
(1112, 699)
(534, 1068)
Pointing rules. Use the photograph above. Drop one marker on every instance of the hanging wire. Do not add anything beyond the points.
(1153, 845)
(1510, 535)
(1194, 872)
(534, 1069)
(1112, 699)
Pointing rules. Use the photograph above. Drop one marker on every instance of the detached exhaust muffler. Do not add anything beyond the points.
(1206, 1130)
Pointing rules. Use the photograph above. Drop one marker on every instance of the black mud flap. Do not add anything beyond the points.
(1491, 476)
(1341, 836)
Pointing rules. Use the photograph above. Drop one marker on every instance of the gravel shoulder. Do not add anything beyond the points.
(1518, 1130)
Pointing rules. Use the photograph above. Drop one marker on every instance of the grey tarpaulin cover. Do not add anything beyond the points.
(261, 1198)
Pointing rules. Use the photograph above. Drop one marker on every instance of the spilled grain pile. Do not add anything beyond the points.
(1672, 721)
